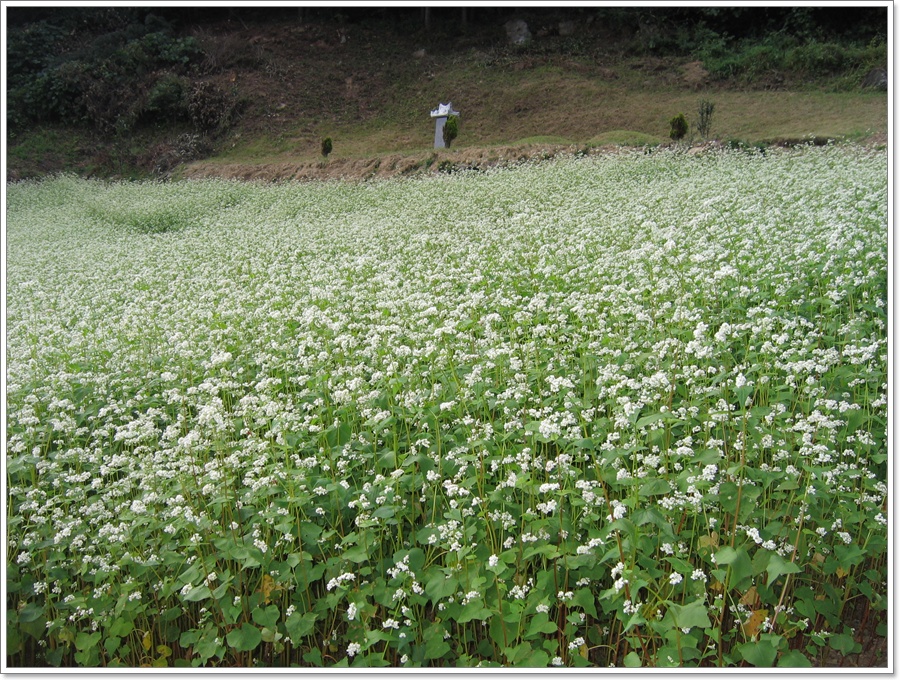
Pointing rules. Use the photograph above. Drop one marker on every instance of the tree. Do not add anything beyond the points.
(326, 146)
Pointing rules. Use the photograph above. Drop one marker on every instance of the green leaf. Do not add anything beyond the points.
(265, 618)
(474, 610)
(741, 567)
(584, 598)
(338, 436)
(540, 624)
(547, 550)
(657, 486)
(794, 659)
(121, 627)
(632, 660)
(538, 658)
(85, 641)
(300, 625)
(244, 639)
(435, 648)
(385, 512)
(515, 655)
(655, 418)
(198, 594)
(728, 494)
(691, 615)
(111, 644)
(30, 612)
(844, 644)
(439, 586)
(849, 555)
(760, 654)
(416, 560)
(778, 566)
(171, 614)
(356, 554)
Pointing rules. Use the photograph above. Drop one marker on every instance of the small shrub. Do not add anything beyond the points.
(678, 127)
(451, 130)
(326, 146)
(166, 100)
(209, 107)
(704, 117)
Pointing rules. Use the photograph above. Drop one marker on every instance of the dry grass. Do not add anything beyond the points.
(580, 110)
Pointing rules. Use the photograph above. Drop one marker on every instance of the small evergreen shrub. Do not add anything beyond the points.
(451, 130)
(326, 146)
(678, 127)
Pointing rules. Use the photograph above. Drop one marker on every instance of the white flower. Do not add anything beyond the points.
(675, 578)
(353, 649)
(339, 580)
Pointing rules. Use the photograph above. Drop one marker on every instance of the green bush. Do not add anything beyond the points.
(326, 146)
(451, 130)
(166, 100)
(109, 83)
(782, 56)
(818, 59)
(678, 127)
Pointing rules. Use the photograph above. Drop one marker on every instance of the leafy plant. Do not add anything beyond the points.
(167, 100)
(451, 130)
(368, 435)
(678, 127)
(704, 117)
(326, 146)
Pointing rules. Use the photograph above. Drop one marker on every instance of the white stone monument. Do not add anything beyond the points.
(440, 115)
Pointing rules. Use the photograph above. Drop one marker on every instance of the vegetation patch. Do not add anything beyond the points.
(624, 410)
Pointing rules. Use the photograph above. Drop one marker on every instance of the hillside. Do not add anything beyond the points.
(287, 82)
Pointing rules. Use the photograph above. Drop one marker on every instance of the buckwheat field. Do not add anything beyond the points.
(620, 410)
